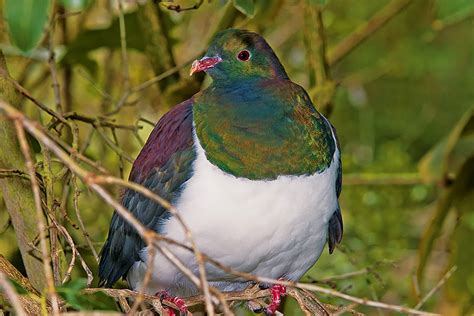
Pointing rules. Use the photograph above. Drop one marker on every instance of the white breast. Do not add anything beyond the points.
(274, 228)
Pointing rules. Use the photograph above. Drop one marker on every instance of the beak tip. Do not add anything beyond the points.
(203, 64)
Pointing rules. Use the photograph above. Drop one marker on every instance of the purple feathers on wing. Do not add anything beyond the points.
(172, 134)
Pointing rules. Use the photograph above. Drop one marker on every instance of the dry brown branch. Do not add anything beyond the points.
(57, 254)
(45, 256)
(100, 121)
(4, 173)
(308, 307)
(89, 179)
(146, 280)
(10, 292)
(153, 238)
(12, 273)
(248, 294)
(75, 253)
(75, 199)
(29, 302)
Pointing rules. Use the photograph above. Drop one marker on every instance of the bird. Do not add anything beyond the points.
(253, 169)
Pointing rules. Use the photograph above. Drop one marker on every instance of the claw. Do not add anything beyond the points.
(179, 302)
(277, 292)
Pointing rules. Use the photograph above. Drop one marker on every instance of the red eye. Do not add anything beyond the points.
(243, 55)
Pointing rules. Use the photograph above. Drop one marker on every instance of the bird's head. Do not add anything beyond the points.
(239, 55)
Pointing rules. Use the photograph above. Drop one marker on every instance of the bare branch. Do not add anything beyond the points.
(438, 285)
(39, 216)
(152, 238)
(12, 295)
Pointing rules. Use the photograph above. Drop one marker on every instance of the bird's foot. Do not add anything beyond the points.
(277, 292)
(179, 302)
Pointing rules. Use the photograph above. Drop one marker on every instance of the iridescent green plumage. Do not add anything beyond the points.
(256, 123)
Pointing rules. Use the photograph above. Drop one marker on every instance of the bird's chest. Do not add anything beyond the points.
(272, 228)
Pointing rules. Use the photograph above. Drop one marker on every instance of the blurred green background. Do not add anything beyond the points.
(403, 109)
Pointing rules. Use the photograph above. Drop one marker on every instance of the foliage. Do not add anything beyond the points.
(26, 21)
(401, 100)
(72, 293)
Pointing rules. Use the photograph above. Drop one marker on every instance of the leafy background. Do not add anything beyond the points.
(403, 109)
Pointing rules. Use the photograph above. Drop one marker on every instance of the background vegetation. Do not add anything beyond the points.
(395, 77)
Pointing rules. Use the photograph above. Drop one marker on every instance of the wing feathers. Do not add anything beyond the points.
(162, 166)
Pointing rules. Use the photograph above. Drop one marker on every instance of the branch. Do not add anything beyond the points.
(408, 178)
(10, 292)
(156, 240)
(436, 287)
(41, 222)
(27, 302)
(322, 87)
(158, 45)
(17, 193)
(353, 40)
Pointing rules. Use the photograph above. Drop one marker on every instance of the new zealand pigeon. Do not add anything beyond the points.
(253, 169)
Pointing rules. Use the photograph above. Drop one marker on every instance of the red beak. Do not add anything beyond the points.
(204, 63)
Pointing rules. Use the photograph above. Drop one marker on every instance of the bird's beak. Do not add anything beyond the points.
(204, 63)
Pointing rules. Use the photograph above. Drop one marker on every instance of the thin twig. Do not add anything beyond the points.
(123, 46)
(53, 234)
(52, 65)
(113, 146)
(436, 287)
(408, 178)
(13, 173)
(39, 215)
(10, 292)
(167, 73)
(75, 199)
(146, 279)
(151, 237)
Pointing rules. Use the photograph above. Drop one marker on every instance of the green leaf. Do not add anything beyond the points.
(453, 156)
(447, 157)
(75, 5)
(26, 21)
(247, 7)
(89, 40)
(72, 293)
(449, 11)
(18, 288)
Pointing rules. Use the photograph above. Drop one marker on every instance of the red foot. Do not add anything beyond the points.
(277, 292)
(179, 302)
(171, 311)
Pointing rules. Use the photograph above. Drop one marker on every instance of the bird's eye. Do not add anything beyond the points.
(243, 55)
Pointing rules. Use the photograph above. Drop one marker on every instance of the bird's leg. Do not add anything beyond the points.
(277, 292)
(179, 302)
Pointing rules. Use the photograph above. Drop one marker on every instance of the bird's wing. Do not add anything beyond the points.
(163, 166)
(335, 228)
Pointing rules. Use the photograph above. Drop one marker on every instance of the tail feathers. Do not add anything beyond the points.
(335, 230)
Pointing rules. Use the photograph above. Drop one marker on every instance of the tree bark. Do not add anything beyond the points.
(17, 191)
